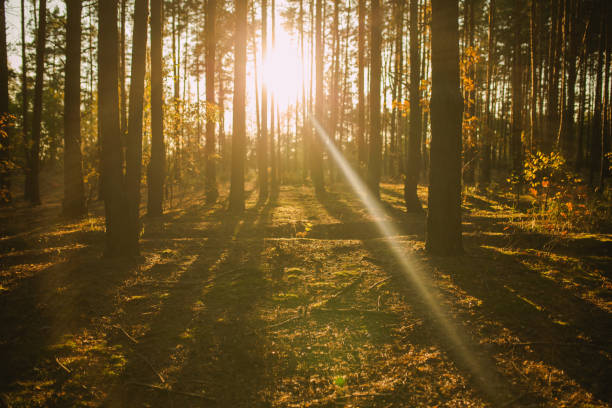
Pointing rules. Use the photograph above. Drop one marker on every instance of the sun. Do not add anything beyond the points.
(283, 70)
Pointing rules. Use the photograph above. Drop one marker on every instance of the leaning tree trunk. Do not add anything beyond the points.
(211, 178)
(236, 199)
(5, 186)
(444, 213)
(33, 188)
(134, 137)
(157, 163)
(110, 131)
(413, 162)
(74, 194)
(374, 163)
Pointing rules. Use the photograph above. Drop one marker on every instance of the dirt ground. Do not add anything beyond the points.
(299, 302)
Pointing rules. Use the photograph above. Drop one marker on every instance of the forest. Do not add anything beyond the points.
(305, 203)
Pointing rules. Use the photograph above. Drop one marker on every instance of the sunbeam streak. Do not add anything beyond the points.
(410, 268)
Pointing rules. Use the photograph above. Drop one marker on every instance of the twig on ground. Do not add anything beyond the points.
(159, 388)
(284, 322)
(133, 340)
(143, 358)
(380, 282)
(62, 365)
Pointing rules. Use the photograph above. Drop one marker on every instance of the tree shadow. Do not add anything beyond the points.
(577, 331)
(203, 339)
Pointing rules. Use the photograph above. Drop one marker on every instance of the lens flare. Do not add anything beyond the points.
(410, 268)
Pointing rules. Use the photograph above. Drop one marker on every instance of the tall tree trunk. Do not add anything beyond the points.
(567, 130)
(110, 131)
(236, 199)
(375, 146)
(596, 129)
(5, 184)
(122, 91)
(485, 158)
(262, 148)
(413, 160)
(24, 102)
(211, 178)
(516, 150)
(444, 213)
(134, 137)
(74, 194)
(553, 76)
(33, 189)
(157, 163)
(361, 123)
(274, 136)
(534, 84)
(316, 159)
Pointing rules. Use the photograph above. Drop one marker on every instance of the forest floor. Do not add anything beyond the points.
(299, 302)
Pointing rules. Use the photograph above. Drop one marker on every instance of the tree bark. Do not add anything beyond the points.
(516, 149)
(33, 189)
(485, 156)
(361, 144)
(110, 131)
(444, 213)
(375, 145)
(316, 159)
(262, 151)
(5, 184)
(236, 200)
(212, 192)
(74, 194)
(134, 137)
(413, 160)
(157, 163)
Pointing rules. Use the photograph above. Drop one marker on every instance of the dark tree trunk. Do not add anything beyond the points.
(211, 178)
(413, 162)
(236, 200)
(596, 129)
(110, 131)
(361, 123)
(516, 150)
(122, 95)
(5, 185)
(157, 163)
(487, 135)
(262, 148)
(316, 159)
(375, 145)
(24, 101)
(134, 137)
(74, 194)
(33, 188)
(444, 213)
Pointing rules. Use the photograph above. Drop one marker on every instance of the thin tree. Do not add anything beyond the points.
(316, 157)
(361, 144)
(413, 162)
(74, 194)
(211, 178)
(157, 163)
(24, 97)
(516, 147)
(133, 174)
(375, 145)
(485, 156)
(262, 145)
(32, 182)
(444, 208)
(236, 199)
(110, 131)
(5, 186)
